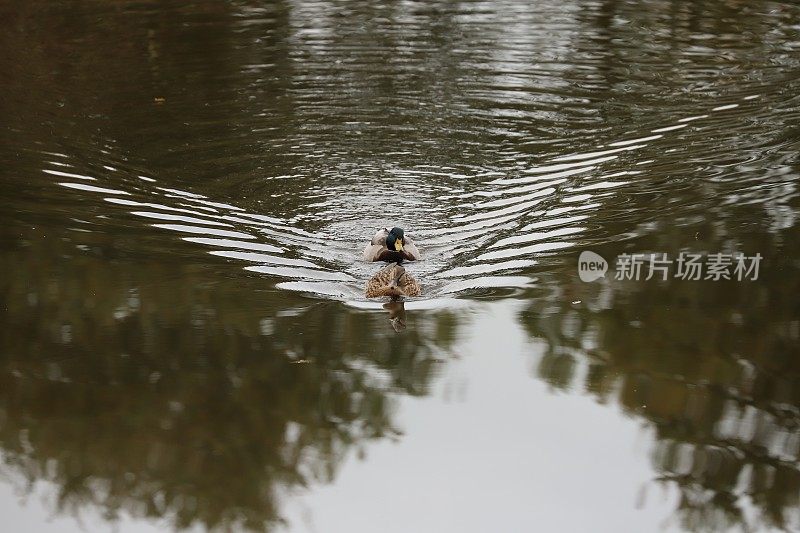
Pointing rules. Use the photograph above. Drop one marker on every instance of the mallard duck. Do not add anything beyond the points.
(391, 245)
(394, 281)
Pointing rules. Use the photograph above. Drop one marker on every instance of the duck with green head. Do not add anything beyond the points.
(391, 245)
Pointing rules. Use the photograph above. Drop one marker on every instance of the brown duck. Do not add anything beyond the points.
(393, 281)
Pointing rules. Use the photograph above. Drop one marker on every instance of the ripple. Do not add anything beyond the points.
(302, 273)
(528, 250)
(232, 243)
(636, 141)
(185, 228)
(178, 218)
(493, 282)
(691, 119)
(486, 268)
(68, 175)
(92, 188)
(537, 236)
(262, 258)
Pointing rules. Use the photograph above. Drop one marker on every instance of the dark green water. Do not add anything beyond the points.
(184, 192)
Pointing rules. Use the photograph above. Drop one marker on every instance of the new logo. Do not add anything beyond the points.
(591, 266)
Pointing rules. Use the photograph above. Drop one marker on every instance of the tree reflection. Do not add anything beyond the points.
(711, 365)
(186, 399)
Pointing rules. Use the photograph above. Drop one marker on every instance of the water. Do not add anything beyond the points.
(186, 188)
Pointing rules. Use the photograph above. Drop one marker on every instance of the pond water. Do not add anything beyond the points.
(186, 188)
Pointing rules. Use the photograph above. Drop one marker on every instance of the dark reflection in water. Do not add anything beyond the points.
(185, 188)
(195, 397)
(712, 366)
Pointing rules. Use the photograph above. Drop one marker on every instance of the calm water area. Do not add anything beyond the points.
(185, 191)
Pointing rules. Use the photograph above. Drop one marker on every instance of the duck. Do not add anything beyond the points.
(393, 281)
(391, 245)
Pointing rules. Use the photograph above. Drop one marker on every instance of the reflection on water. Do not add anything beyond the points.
(157, 397)
(186, 188)
(712, 366)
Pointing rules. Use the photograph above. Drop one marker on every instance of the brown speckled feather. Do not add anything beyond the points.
(393, 281)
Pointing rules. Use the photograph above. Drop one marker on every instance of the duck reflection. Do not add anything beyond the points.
(397, 314)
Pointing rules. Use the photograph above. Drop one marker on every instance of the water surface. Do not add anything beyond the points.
(184, 342)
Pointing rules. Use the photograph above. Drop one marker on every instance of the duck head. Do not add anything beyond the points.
(394, 241)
